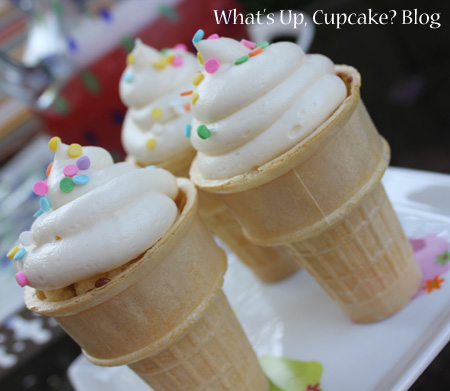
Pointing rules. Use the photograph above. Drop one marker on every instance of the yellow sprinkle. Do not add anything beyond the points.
(197, 79)
(74, 150)
(53, 143)
(160, 64)
(130, 59)
(12, 252)
(157, 113)
(151, 143)
(170, 58)
(194, 97)
(200, 58)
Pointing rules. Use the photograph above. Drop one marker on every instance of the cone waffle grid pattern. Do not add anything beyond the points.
(268, 263)
(362, 257)
(214, 355)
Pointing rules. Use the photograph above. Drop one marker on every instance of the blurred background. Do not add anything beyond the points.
(63, 70)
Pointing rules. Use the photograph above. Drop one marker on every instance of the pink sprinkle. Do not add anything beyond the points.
(180, 46)
(177, 61)
(249, 44)
(70, 170)
(21, 279)
(213, 36)
(212, 65)
(83, 163)
(40, 188)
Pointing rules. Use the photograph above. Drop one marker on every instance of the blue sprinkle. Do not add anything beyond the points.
(128, 77)
(105, 14)
(198, 36)
(45, 204)
(19, 254)
(38, 213)
(73, 47)
(187, 130)
(80, 179)
(151, 166)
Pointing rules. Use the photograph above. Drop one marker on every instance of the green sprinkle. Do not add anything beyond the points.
(56, 7)
(169, 12)
(90, 82)
(203, 132)
(60, 105)
(241, 60)
(263, 44)
(165, 51)
(128, 43)
(66, 185)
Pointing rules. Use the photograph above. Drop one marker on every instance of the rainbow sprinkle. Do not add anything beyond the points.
(21, 279)
(53, 143)
(263, 44)
(150, 144)
(203, 132)
(241, 60)
(194, 97)
(128, 77)
(40, 188)
(80, 179)
(157, 113)
(83, 163)
(66, 184)
(74, 150)
(198, 36)
(38, 213)
(256, 51)
(212, 65)
(177, 61)
(26, 238)
(45, 204)
(19, 254)
(187, 130)
(12, 252)
(70, 170)
(49, 169)
(180, 46)
(197, 79)
(249, 44)
(130, 59)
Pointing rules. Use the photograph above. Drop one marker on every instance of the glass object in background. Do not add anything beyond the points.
(76, 51)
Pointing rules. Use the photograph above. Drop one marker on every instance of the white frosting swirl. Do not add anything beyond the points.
(145, 88)
(100, 225)
(261, 108)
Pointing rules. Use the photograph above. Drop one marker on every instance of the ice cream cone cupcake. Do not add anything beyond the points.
(293, 153)
(157, 88)
(120, 258)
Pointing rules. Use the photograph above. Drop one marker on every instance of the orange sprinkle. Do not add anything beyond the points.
(256, 51)
(186, 93)
(49, 168)
(187, 107)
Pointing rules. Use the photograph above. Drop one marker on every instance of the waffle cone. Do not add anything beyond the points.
(269, 264)
(307, 195)
(167, 301)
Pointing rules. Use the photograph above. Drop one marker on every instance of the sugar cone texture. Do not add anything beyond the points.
(215, 355)
(269, 264)
(306, 196)
(168, 302)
